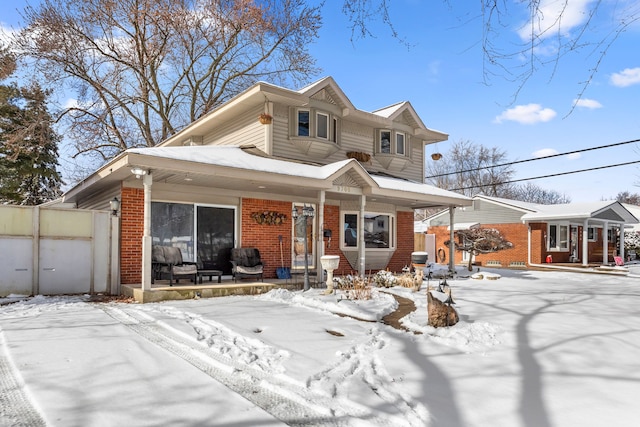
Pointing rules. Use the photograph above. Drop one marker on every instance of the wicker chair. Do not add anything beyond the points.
(166, 262)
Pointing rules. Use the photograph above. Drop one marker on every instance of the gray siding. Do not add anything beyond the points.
(246, 130)
(481, 212)
(353, 137)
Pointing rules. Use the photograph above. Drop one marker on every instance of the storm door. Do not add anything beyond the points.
(302, 225)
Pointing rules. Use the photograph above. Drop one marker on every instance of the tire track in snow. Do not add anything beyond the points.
(292, 404)
(16, 409)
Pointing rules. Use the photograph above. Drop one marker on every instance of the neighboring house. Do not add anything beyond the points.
(574, 232)
(232, 178)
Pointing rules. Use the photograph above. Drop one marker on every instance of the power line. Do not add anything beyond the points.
(545, 176)
(539, 158)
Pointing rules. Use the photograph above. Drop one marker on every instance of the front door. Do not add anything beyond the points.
(574, 244)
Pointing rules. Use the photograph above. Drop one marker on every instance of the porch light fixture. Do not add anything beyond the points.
(114, 205)
(307, 212)
(138, 172)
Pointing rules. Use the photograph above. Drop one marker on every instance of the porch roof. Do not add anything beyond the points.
(602, 211)
(237, 168)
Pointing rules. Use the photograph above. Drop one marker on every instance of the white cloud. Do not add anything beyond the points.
(587, 103)
(626, 77)
(555, 16)
(574, 156)
(545, 152)
(526, 114)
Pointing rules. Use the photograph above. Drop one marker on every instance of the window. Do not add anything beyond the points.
(322, 125)
(400, 143)
(303, 123)
(204, 234)
(385, 141)
(558, 237)
(378, 230)
(592, 234)
(392, 142)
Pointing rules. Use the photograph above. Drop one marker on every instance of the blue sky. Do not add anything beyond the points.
(441, 74)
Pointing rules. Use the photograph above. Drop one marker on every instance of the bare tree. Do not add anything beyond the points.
(471, 169)
(477, 241)
(532, 193)
(553, 30)
(627, 197)
(143, 69)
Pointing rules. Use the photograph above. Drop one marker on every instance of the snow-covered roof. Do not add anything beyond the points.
(236, 157)
(589, 210)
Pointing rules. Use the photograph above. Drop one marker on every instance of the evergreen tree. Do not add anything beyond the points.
(28, 147)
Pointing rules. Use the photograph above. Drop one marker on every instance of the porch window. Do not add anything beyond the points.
(592, 234)
(379, 230)
(558, 239)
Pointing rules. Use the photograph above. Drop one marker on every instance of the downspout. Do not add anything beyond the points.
(621, 241)
(147, 180)
(451, 244)
(361, 248)
(528, 243)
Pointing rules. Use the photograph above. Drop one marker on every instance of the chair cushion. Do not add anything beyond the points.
(185, 269)
(249, 270)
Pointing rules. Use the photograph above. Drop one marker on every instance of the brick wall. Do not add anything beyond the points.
(265, 237)
(514, 233)
(404, 242)
(131, 230)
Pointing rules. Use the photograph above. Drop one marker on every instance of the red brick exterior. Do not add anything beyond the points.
(514, 233)
(131, 230)
(261, 236)
(404, 242)
(517, 234)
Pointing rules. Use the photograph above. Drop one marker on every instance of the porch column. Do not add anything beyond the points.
(585, 243)
(605, 243)
(320, 236)
(147, 180)
(451, 245)
(621, 243)
(361, 248)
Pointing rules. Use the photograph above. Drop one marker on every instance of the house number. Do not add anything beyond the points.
(343, 189)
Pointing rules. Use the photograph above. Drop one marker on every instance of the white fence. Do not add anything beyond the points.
(51, 251)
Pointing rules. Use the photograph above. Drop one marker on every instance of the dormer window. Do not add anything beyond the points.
(314, 132)
(392, 142)
(400, 143)
(322, 125)
(392, 149)
(303, 122)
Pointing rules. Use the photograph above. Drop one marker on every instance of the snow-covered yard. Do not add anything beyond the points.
(532, 349)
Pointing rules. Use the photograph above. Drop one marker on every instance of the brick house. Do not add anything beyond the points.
(561, 233)
(232, 178)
